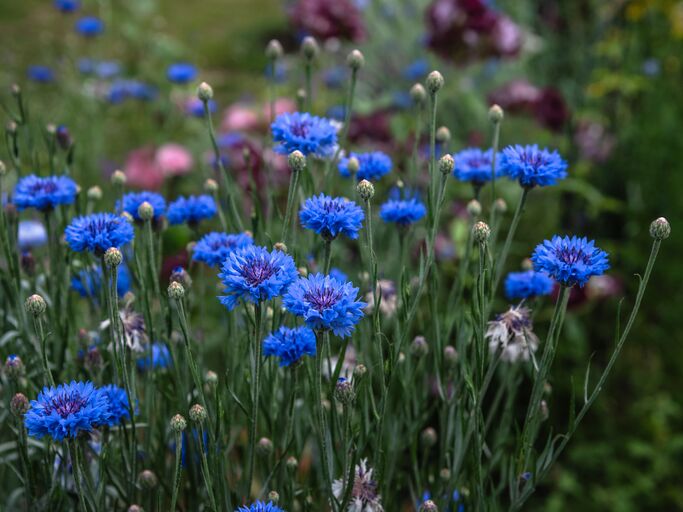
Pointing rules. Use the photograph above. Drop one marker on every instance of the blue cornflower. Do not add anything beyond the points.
(416, 70)
(336, 112)
(107, 69)
(195, 107)
(67, 5)
(98, 232)
(31, 234)
(334, 77)
(570, 260)
(40, 74)
(67, 410)
(121, 90)
(309, 134)
(325, 303)
(279, 74)
(191, 209)
(214, 248)
(372, 166)
(338, 274)
(474, 165)
(260, 506)
(331, 217)
(44, 193)
(132, 201)
(255, 274)
(160, 357)
(89, 26)
(532, 166)
(402, 210)
(522, 285)
(119, 409)
(181, 73)
(88, 282)
(290, 345)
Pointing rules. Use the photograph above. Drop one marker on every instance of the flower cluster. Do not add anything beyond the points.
(371, 166)
(570, 261)
(213, 248)
(290, 345)
(44, 193)
(331, 217)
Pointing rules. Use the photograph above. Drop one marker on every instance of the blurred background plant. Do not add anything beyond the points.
(598, 80)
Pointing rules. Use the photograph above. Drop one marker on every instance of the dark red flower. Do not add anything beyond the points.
(551, 110)
(326, 19)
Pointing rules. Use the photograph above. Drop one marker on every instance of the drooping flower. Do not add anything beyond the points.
(181, 73)
(372, 166)
(67, 410)
(255, 274)
(31, 234)
(157, 356)
(387, 296)
(474, 165)
(44, 193)
(213, 248)
(290, 345)
(403, 210)
(570, 261)
(118, 404)
(98, 232)
(365, 495)
(523, 285)
(532, 166)
(512, 332)
(309, 134)
(131, 202)
(89, 26)
(88, 282)
(260, 506)
(331, 217)
(40, 74)
(325, 303)
(191, 209)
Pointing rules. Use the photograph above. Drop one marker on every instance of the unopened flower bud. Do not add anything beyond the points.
(446, 164)
(94, 193)
(343, 391)
(300, 96)
(496, 114)
(280, 246)
(264, 447)
(355, 60)
(445, 474)
(296, 161)
(303, 271)
(366, 190)
(353, 165)
(429, 506)
(419, 347)
(543, 409)
(660, 229)
(178, 423)
(135, 508)
(500, 205)
(274, 50)
(360, 371)
(14, 367)
(450, 356)
(176, 291)
(274, 497)
(113, 257)
(204, 92)
(443, 135)
(211, 378)
(145, 211)
(147, 479)
(197, 413)
(11, 127)
(434, 82)
(51, 128)
(474, 208)
(418, 94)
(210, 186)
(118, 178)
(19, 405)
(428, 437)
(309, 47)
(15, 90)
(35, 305)
(481, 232)
(291, 463)
(527, 264)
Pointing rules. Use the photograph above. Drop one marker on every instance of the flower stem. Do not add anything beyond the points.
(205, 470)
(496, 138)
(327, 256)
(500, 264)
(291, 199)
(78, 473)
(40, 331)
(178, 469)
(323, 340)
(256, 389)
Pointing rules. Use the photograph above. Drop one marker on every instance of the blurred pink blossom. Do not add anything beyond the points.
(173, 159)
(240, 117)
(142, 170)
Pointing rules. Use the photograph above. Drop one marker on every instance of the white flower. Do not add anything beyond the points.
(386, 293)
(513, 333)
(364, 496)
(134, 331)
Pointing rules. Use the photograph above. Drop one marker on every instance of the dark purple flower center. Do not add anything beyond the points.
(533, 159)
(46, 187)
(322, 299)
(256, 272)
(66, 404)
(300, 129)
(479, 162)
(571, 255)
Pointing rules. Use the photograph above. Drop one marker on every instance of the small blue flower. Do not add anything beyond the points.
(88, 282)
(67, 410)
(474, 165)
(195, 107)
(67, 5)
(404, 210)
(214, 248)
(280, 73)
(132, 201)
(40, 74)
(523, 285)
(118, 404)
(107, 69)
(338, 275)
(121, 90)
(309, 134)
(336, 112)
(331, 217)
(372, 166)
(334, 77)
(570, 260)
(31, 234)
(325, 303)
(254, 274)
(98, 232)
(160, 357)
(44, 193)
(191, 209)
(532, 166)
(89, 26)
(181, 73)
(290, 345)
(260, 506)
(416, 70)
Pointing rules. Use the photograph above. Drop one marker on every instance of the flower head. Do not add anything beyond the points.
(67, 410)
(331, 217)
(98, 232)
(522, 285)
(191, 209)
(40, 74)
(132, 201)
(134, 329)
(89, 26)
(44, 193)
(31, 234)
(325, 303)
(309, 134)
(214, 248)
(474, 165)
(181, 73)
(402, 210)
(118, 404)
(365, 496)
(513, 333)
(570, 260)
(260, 506)
(67, 5)
(290, 345)
(372, 166)
(255, 274)
(158, 356)
(532, 166)
(88, 282)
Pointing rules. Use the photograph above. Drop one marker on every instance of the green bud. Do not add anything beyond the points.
(434, 82)
(355, 60)
(113, 257)
(35, 305)
(296, 161)
(204, 92)
(660, 229)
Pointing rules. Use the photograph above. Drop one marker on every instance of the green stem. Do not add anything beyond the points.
(496, 138)
(256, 390)
(291, 199)
(40, 331)
(78, 472)
(205, 470)
(178, 469)
(327, 256)
(322, 424)
(500, 264)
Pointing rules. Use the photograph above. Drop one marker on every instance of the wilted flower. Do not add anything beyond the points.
(386, 293)
(364, 491)
(512, 332)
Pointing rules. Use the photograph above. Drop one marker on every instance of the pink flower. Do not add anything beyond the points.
(173, 160)
(240, 118)
(282, 105)
(142, 170)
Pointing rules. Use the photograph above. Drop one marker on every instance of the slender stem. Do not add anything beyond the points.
(327, 256)
(322, 424)
(500, 264)
(416, 143)
(194, 371)
(40, 331)
(308, 71)
(205, 470)
(496, 138)
(347, 123)
(77, 470)
(256, 348)
(178, 469)
(153, 274)
(291, 199)
(432, 155)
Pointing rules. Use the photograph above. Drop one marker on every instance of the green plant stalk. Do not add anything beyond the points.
(25, 462)
(78, 473)
(308, 84)
(40, 332)
(10, 256)
(416, 143)
(205, 470)
(432, 158)
(500, 264)
(194, 370)
(153, 274)
(323, 338)
(178, 469)
(291, 198)
(327, 256)
(257, 348)
(347, 123)
(496, 138)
